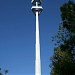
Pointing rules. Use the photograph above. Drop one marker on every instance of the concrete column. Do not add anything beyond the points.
(37, 54)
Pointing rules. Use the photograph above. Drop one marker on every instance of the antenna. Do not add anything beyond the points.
(37, 10)
(34, 2)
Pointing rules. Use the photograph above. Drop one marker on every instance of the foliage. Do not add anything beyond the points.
(3, 72)
(63, 60)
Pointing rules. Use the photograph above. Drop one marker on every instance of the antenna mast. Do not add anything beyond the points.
(37, 9)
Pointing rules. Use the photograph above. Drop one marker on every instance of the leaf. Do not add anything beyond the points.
(6, 71)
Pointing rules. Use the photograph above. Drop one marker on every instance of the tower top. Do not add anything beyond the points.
(34, 2)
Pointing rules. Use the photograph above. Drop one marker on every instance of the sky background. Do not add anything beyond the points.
(17, 35)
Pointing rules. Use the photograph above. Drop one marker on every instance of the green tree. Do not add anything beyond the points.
(3, 72)
(63, 60)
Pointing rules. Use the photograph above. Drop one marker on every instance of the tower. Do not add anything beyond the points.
(37, 9)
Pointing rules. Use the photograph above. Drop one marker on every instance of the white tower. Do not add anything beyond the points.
(37, 9)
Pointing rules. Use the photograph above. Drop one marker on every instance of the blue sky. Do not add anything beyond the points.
(17, 35)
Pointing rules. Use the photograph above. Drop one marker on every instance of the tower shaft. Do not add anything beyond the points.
(37, 10)
(37, 59)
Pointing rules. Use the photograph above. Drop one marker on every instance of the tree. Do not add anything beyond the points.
(63, 60)
(3, 72)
